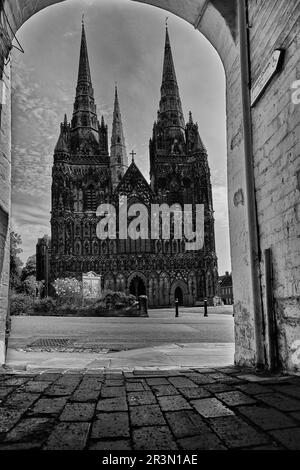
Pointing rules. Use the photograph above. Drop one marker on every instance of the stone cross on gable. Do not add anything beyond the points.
(133, 155)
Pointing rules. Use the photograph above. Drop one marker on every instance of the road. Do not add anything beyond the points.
(161, 328)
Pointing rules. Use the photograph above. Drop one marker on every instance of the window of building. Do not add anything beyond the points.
(90, 200)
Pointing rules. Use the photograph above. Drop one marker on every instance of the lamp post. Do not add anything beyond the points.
(176, 308)
(205, 308)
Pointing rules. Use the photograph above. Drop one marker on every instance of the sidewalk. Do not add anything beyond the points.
(200, 409)
(159, 357)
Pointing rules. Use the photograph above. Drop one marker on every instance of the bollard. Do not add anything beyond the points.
(143, 305)
(205, 308)
(176, 308)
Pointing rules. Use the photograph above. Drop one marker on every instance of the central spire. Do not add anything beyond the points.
(118, 154)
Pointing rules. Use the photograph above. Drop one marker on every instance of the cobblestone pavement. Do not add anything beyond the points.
(195, 409)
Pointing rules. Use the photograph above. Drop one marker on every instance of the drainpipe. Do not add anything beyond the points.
(250, 184)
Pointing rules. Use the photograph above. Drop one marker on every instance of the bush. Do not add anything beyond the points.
(45, 306)
(68, 291)
(21, 304)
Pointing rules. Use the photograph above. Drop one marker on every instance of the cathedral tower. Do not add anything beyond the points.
(81, 179)
(179, 169)
(118, 154)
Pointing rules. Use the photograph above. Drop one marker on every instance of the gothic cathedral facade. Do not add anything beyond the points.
(86, 173)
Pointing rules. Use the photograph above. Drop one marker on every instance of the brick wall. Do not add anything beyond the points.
(276, 138)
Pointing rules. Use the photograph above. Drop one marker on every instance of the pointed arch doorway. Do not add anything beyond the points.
(179, 295)
(137, 287)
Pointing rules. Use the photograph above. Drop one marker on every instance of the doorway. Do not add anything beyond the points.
(179, 295)
(137, 287)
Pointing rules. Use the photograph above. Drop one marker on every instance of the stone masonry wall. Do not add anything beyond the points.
(5, 171)
(276, 122)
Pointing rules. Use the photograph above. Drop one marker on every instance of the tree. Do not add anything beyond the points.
(29, 268)
(29, 286)
(15, 261)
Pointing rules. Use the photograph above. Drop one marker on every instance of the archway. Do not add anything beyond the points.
(137, 287)
(217, 20)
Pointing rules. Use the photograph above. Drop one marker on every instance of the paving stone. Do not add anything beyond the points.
(228, 370)
(107, 392)
(206, 371)
(164, 390)
(64, 386)
(202, 379)
(147, 415)
(48, 406)
(48, 377)
(20, 401)
(295, 415)
(211, 408)
(158, 381)
(153, 438)
(114, 383)
(173, 403)
(155, 373)
(182, 382)
(114, 375)
(235, 398)
(194, 393)
(237, 433)
(112, 404)
(205, 441)
(136, 387)
(121, 444)
(273, 446)
(282, 402)
(5, 391)
(30, 429)
(253, 389)
(12, 446)
(16, 381)
(291, 390)
(266, 418)
(85, 394)
(78, 412)
(111, 425)
(231, 380)
(35, 387)
(290, 438)
(219, 376)
(141, 398)
(68, 436)
(186, 423)
(217, 388)
(8, 418)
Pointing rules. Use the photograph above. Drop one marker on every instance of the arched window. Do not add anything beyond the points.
(90, 199)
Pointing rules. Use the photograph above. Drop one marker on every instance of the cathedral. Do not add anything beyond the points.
(87, 173)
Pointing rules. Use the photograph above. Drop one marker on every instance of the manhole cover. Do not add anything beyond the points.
(51, 343)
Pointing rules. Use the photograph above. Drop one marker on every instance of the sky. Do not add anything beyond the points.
(126, 45)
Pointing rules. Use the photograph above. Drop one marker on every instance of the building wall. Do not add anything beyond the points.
(276, 141)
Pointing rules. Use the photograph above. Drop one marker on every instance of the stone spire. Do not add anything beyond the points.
(85, 111)
(118, 154)
(170, 113)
